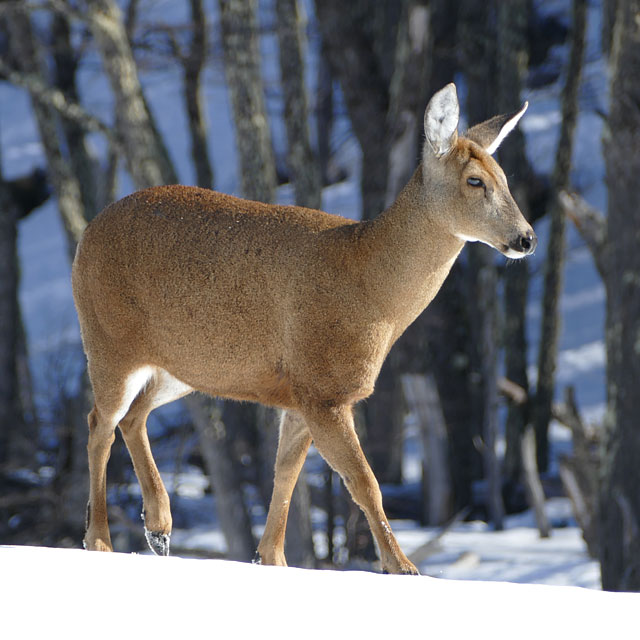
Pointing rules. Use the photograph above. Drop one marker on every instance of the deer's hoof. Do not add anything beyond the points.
(407, 569)
(158, 542)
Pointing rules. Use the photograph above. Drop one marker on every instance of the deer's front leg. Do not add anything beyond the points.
(334, 435)
(293, 445)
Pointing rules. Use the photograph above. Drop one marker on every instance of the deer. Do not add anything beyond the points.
(181, 289)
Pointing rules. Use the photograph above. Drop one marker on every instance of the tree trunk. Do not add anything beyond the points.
(324, 114)
(215, 445)
(81, 162)
(193, 65)
(554, 263)
(422, 397)
(347, 33)
(10, 419)
(65, 183)
(477, 37)
(408, 94)
(304, 170)
(146, 159)
(241, 53)
(620, 472)
(487, 292)
(511, 62)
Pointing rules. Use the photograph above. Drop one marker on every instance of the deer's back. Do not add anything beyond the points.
(188, 278)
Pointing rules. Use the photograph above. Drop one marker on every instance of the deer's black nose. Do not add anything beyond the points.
(527, 243)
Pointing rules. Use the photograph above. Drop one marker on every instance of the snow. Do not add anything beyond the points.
(85, 594)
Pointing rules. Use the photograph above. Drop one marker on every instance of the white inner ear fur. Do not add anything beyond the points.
(507, 128)
(441, 120)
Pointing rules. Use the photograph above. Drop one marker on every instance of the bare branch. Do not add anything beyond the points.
(592, 226)
(512, 391)
(532, 483)
(56, 99)
(50, 5)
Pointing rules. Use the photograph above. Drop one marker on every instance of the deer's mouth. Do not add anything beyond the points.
(525, 244)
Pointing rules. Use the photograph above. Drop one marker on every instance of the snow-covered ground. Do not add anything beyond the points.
(78, 594)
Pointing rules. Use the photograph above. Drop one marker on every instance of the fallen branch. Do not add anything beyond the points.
(533, 486)
(433, 544)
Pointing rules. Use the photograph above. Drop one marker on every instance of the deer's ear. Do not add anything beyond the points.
(490, 134)
(441, 120)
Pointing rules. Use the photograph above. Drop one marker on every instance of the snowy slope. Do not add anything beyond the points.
(80, 594)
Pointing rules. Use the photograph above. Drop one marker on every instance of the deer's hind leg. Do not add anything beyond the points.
(161, 389)
(293, 445)
(114, 390)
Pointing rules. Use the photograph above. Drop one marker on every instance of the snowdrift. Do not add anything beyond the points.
(74, 593)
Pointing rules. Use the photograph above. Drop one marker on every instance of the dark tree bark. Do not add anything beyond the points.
(620, 472)
(193, 64)
(82, 164)
(554, 263)
(18, 421)
(215, 446)
(351, 50)
(477, 37)
(11, 419)
(64, 181)
(304, 170)
(241, 52)
(511, 63)
(324, 114)
(408, 94)
(146, 157)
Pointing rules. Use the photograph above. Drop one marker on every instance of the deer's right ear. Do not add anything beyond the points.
(441, 120)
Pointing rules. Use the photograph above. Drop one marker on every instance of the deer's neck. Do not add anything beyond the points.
(409, 252)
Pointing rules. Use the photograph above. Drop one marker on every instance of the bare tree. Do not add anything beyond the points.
(238, 23)
(144, 152)
(193, 62)
(349, 34)
(11, 419)
(303, 167)
(620, 473)
(65, 183)
(554, 263)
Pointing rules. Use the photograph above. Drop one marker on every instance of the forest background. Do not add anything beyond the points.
(321, 104)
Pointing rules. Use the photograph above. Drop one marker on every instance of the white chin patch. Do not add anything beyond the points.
(509, 253)
(514, 255)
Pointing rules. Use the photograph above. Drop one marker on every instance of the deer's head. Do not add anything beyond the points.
(468, 185)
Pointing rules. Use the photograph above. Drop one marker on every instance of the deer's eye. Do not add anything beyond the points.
(475, 182)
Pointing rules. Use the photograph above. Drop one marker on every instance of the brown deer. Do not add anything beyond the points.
(181, 289)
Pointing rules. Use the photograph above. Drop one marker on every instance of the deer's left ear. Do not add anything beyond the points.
(492, 132)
